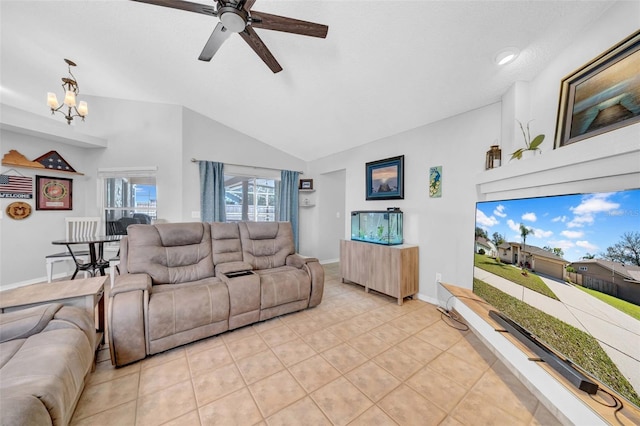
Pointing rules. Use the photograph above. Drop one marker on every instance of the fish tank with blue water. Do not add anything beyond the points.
(377, 226)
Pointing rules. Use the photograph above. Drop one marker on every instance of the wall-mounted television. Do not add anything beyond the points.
(566, 268)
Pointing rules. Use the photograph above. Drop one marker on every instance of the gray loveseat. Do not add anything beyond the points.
(183, 282)
(46, 353)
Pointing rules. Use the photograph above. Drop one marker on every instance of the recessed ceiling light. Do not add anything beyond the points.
(507, 55)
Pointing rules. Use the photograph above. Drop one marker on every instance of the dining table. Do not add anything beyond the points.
(96, 261)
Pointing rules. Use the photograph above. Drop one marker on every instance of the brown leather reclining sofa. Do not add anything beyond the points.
(182, 282)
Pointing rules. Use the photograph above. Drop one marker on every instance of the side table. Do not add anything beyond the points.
(86, 294)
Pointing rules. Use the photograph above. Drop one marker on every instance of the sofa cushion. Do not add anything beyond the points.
(283, 285)
(266, 244)
(51, 366)
(225, 240)
(76, 318)
(170, 253)
(181, 307)
(8, 349)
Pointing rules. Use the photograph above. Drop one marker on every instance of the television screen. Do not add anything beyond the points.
(567, 269)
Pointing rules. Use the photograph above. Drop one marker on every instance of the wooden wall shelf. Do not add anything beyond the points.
(14, 159)
(43, 169)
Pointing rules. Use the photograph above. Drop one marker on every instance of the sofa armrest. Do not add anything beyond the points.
(298, 261)
(26, 322)
(127, 313)
(77, 318)
(24, 409)
(131, 282)
(316, 272)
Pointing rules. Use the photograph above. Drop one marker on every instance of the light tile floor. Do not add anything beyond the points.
(357, 359)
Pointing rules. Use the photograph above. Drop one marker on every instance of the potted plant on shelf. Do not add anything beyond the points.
(531, 146)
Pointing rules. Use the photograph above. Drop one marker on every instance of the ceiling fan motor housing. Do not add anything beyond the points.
(232, 18)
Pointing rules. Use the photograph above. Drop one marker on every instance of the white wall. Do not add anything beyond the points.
(619, 22)
(167, 136)
(138, 134)
(443, 228)
(205, 139)
(25, 243)
(327, 217)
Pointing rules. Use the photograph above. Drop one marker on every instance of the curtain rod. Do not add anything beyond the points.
(193, 160)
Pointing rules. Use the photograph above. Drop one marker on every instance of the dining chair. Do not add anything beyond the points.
(75, 227)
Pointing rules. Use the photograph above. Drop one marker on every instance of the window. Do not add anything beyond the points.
(251, 198)
(129, 196)
(582, 268)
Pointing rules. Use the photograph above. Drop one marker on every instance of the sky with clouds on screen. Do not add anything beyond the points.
(578, 224)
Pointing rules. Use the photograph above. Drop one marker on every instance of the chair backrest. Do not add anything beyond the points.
(114, 227)
(126, 221)
(142, 218)
(170, 253)
(266, 245)
(81, 226)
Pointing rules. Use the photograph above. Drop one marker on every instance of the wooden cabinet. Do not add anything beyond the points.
(392, 270)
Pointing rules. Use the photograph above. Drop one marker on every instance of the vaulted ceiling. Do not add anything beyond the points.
(384, 68)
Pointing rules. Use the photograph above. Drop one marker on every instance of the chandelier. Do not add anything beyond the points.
(70, 86)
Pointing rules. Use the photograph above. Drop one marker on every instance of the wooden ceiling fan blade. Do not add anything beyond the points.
(258, 46)
(218, 36)
(183, 5)
(288, 25)
(248, 4)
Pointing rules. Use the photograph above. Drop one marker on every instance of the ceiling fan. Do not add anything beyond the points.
(236, 16)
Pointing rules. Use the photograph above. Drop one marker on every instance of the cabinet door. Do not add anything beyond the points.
(406, 262)
(353, 261)
(381, 277)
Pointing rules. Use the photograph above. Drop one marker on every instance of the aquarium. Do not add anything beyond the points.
(377, 226)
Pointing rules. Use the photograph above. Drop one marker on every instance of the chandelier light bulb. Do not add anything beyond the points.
(70, 99)
(83, 109)
(52, 100)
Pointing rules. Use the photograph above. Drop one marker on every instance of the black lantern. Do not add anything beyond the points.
(494, 157)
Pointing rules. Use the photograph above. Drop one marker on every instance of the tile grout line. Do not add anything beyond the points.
(341, 307)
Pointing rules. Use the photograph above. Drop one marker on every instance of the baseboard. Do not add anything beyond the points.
(37, 280)
(428, 299)
(325, 262)
(31, 281)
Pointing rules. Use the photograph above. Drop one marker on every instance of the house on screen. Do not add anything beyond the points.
(534, 258)
(617, 279)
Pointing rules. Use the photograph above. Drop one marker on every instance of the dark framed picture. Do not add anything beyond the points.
(54, 193)
(601, 96)
(306, 184)
(385, 179)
